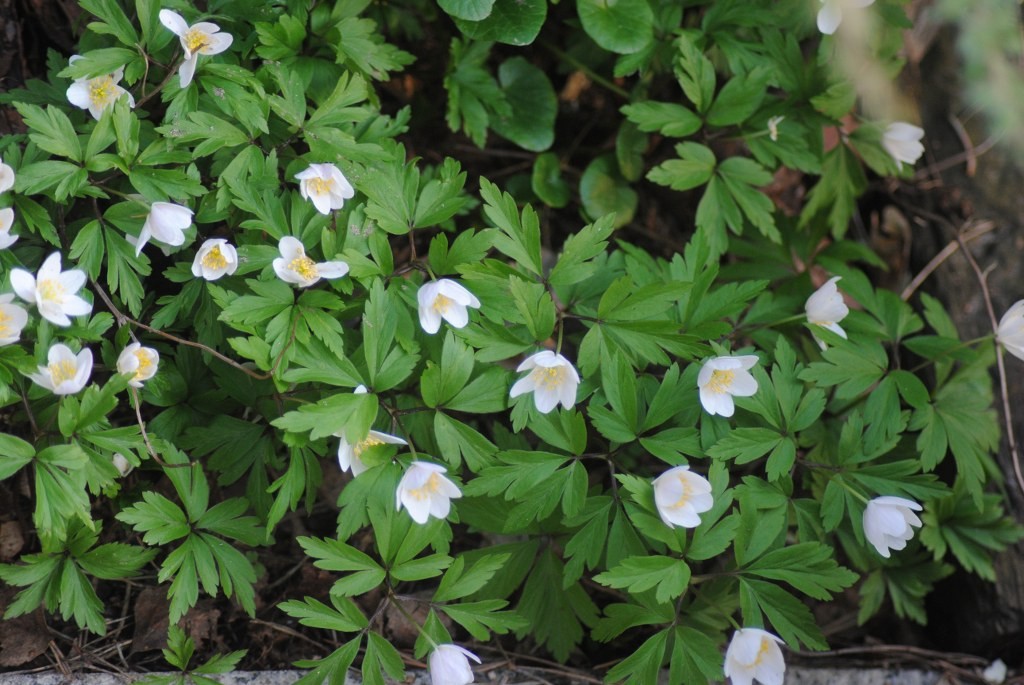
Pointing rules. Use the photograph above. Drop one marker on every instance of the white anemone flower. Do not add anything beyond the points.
(681, 496)
(6, 222)
(424, 492)
(12, 320)
(216, 257)
(754, 654)
(65, 373)
(6, 177)
(203, 38)
(903, 142)
(293, 266)
(1010, 331)
(350, 456)
(552, 379)
(98, 93)
(773, 127)
(889, 523)
(995, 673)
(444, 299)
(121, 463)
(52, 290)
(825, 307)
(449, 665)
(831, 13)
(166, 223)
(325, 186)
(141, 362)
(721, 379)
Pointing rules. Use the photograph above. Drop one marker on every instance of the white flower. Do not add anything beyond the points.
(721, 378)
(425, 492)
(754, 653)
(349, 456)
(98, 93)
(203, 38)
(216, 257)
(903, 142)
(12, 319)
(825, 307)
(166, 223)
(552, 380)
(64, 374)
(1010, 331)
(121, 463)
(444, 299)
(831, 13)
(6, 177)
(773, 127)
(293, 266)
(449, 665)
(995, 673)
(889, 521)
(6, 221)
(325, 186)
(52, 290)
(139, 361)
(680, 496)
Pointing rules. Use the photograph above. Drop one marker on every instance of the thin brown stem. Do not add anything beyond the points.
(1011, 440)
(971, 232)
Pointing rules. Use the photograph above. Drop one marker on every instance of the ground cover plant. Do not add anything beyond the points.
(625, 397)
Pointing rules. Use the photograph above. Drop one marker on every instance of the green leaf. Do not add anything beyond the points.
(15, 453)
(695, 73)
(348, 411)
(461, 580)
(622, 26)
(739, 98)
(575, 263)
(547, 182)
(520, 237)
(344, 616)
(51, 130)
(534, 304)
(530, 124)
(514, 22)
(470, 10)
(695, 166)
(809, 567)
(604, 191)
(114, 22)
(670, 577)
(643, 665)
(668, 118)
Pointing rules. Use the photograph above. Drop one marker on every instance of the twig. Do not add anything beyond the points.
(965, 140)
(145, 435)
(958, 158)
(982, 277)
(974, 231)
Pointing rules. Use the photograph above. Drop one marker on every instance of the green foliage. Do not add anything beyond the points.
(635, 247)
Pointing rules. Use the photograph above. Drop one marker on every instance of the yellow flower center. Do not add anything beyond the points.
(4, 328)
(442, 304)
(195, 40)
(145, 362)
(305, 267)
(320, 186)
(101, 91)
(549, 377)
(214, 259)
(684, 496)
(762, 650)
(362, 445)
(63, 370)
(720, 381)
(431, 487)
(51, 290)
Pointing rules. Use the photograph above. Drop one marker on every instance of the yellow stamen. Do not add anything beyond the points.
(305, 267)
(720, 381)
(762, 650)
(442, 304)
(51, 290)
(196, 40)
(320, 186)
(362, 445)
(214, 259)
(432, 486)
(549, 377)
(63, 370)
(145, 362)
(4, 328)
(101, 91)
(684, 497)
